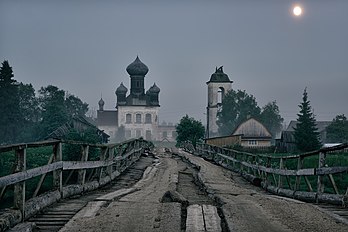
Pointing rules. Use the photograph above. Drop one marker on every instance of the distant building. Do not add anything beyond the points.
(137, 112)
(253, 134)
(218, 85)
(287, 142)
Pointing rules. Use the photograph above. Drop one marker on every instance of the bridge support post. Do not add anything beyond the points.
(320, 183)
(298, 178)
(58, 174)
(19, 188)
(84, 157)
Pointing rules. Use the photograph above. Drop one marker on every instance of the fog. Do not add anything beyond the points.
(84, 48)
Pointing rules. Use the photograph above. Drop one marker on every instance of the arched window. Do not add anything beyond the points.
(148, 118)
(138, 118)
(220, 95)
(128, 118)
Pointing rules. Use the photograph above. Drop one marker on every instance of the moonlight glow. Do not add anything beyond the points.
(297, 11)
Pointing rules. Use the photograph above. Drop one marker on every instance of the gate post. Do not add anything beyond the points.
(58, 174)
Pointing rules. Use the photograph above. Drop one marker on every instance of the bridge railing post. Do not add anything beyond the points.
(58, 174)
(320, 182)
(19, 188)
(82, 172)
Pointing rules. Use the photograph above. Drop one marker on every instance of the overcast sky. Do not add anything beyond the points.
(84, 48)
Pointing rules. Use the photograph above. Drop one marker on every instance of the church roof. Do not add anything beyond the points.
(101, 102)
(219, 76)
(137, 68)
(107, 118)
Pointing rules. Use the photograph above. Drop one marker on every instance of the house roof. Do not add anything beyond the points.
(321, 125)
(252, 128)
(107, 118)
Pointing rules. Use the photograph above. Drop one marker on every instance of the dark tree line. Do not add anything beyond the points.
(25, 116)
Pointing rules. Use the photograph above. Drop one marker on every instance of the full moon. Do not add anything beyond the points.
(297, 11)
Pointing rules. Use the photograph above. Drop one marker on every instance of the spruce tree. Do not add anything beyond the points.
(10, 117)
(306, 133)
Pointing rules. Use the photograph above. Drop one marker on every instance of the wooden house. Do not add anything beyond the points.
(253, 134)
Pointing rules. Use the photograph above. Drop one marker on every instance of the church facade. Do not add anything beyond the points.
(136, 113)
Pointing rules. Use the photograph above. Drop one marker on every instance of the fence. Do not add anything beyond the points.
(318, 176)
(68, 177)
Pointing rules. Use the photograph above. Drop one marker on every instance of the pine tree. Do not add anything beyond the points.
(306, 133)
(10, 117)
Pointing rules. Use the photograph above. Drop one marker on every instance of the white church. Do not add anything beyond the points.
(136, 114)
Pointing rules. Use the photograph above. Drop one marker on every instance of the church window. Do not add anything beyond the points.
(221, 93)
(165, 134)
(138, 133)
(148, 118)
(148, 135)
(138, 118)
(128, 134)
(128, 118)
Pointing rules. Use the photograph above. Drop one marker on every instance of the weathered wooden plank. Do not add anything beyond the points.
(42, 178)
(211, 218)
(25, 175)
(194, 220)
(320, 182)
(330, 170)
(58, 174)
(333, 183)
(19, 188)
(75, 165)
(81, 176)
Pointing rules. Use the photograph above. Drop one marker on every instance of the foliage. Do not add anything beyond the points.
(236, 107)
(189, 129)
(337, 131)
(306, 134)
(271, 119)
(73, 152)
(74, 106)
(10, 118)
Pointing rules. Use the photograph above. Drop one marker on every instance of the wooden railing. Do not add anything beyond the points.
(318, 176)
(69, 177)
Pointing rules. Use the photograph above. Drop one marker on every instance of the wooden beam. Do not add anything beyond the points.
(82, 173)
(320, 182)
(332, 180)
(19, 188)
(58, 173)
(43, 176)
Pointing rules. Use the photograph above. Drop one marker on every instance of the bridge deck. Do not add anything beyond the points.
(168, 199)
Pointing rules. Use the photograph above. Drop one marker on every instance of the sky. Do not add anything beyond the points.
(84, 47)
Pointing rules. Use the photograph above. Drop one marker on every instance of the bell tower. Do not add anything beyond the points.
(218, 85)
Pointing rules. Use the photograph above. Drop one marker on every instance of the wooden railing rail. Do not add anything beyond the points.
(304, 176)
(112, 160)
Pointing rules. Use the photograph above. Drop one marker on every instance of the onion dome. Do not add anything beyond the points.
(154, 89)
(219, 76)
(101, 102)
(121, 89)
(137, 68)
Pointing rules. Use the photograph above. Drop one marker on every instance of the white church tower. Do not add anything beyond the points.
(218, 85)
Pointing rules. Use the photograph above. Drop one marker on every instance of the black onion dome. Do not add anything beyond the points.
(101, 102)
(121, 89)
(137, 68)
(154, 89)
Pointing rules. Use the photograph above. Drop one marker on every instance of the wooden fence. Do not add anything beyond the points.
(80, 175)
(311, 177)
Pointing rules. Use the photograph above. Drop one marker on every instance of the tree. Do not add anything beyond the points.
(30, 113)
(236, 107)
(10, 118)
(271, 119)
(306, 134)
(189, 129)
(54, 112)
(337, 131)
(75, 107)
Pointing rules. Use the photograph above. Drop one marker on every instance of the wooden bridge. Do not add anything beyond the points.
(179, 191)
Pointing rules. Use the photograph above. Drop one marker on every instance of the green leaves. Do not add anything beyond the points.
(189, 129)
(337, 131)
